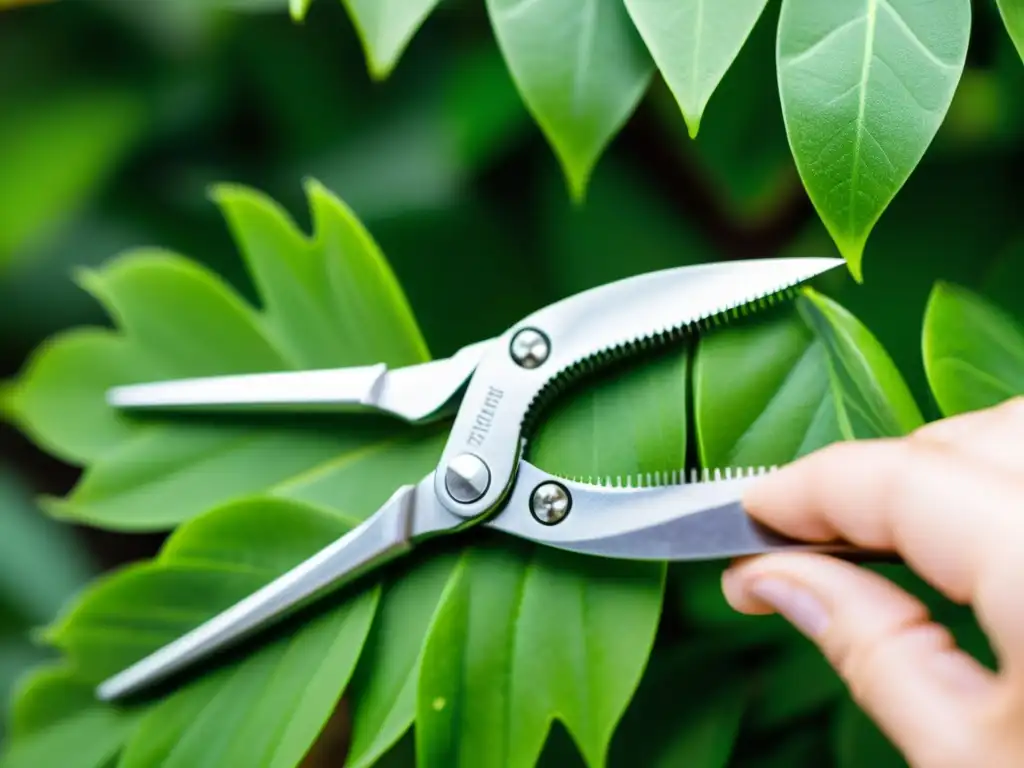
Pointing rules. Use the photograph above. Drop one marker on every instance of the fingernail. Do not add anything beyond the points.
(796, 604)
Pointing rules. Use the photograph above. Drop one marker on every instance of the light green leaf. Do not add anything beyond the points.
(328, 300)
(694, 42)
(581, 68)
(264, 708)
(299, 8)
(973, 351)
(57, 721)
(56, 151)
(1012, 13)
(499, 666)
(864, 87)
(386, 27)
(776, 388)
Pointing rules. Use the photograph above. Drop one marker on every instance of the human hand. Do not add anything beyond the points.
(949, 499)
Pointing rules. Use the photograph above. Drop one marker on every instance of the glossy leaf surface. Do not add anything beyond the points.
(973, 351)
(694, 42)
(581, 68)
(864, 88)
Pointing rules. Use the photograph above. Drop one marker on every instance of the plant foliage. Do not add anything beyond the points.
(484, 650)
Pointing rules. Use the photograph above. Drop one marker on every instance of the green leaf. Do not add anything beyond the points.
(299, 8)
(694, 42)
(796, 684)
(770, 391)
(57, 150)
(264, 708)
(864, 88)
(860, 743)
(1012, 13)
(499, 667)
(973, 351)
(383, 691)
(328, 300)
(386, 27)
(687, 711)
(57, 721)
(581, 68)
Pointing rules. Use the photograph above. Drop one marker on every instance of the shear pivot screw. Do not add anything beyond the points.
(530, 348)
(467, 478)
(550, 503)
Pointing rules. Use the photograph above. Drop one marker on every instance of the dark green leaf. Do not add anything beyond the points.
(581, 68)
(526, 634)
(864, 89)
(860, 743)
(798, 683)
(694, 42)
(973, 351)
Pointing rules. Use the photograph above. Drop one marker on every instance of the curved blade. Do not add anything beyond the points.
(414, 393)
(694, 521)
(410, 515)
(594, 325)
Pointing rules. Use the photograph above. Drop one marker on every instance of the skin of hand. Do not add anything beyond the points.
(949, 499)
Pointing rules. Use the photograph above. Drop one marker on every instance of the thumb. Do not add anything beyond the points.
(904, 670)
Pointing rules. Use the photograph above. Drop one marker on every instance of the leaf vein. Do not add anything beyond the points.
(805, 54)
(913, 36)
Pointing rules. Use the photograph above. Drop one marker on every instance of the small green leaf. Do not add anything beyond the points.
(56, 151)
(973, 351)
(864, 87)
(299, 8)
(694, 42)
(1012, 13)
(262, 709)
(581, 68)
(498, 669)
(328, 300)
(57, 721)
(386, 27)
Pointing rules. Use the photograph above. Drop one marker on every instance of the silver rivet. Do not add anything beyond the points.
(550, 503)
(467, 478)
(530, 348)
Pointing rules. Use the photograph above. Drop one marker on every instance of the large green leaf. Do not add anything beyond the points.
(581, 68)
(973, 351)
(526, 634)
(56, 721)
(328, 300)
(864, 87)
(1012, 12)
(694, 42)
(768, 392)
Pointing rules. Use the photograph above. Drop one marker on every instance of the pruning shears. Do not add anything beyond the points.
(495, 388)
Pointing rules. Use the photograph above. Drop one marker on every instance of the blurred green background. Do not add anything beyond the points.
(117, 115)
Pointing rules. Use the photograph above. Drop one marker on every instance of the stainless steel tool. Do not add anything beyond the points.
(482, 479)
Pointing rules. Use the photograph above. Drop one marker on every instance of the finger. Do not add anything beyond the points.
(944, 514)
(904, 670)
(992, 435)
(955, 521)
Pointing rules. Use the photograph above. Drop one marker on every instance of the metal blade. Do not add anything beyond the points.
(594, 326)
(694, 521)
(414, 393)
(410, 515)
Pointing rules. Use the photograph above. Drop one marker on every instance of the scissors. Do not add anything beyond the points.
(494, 388)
